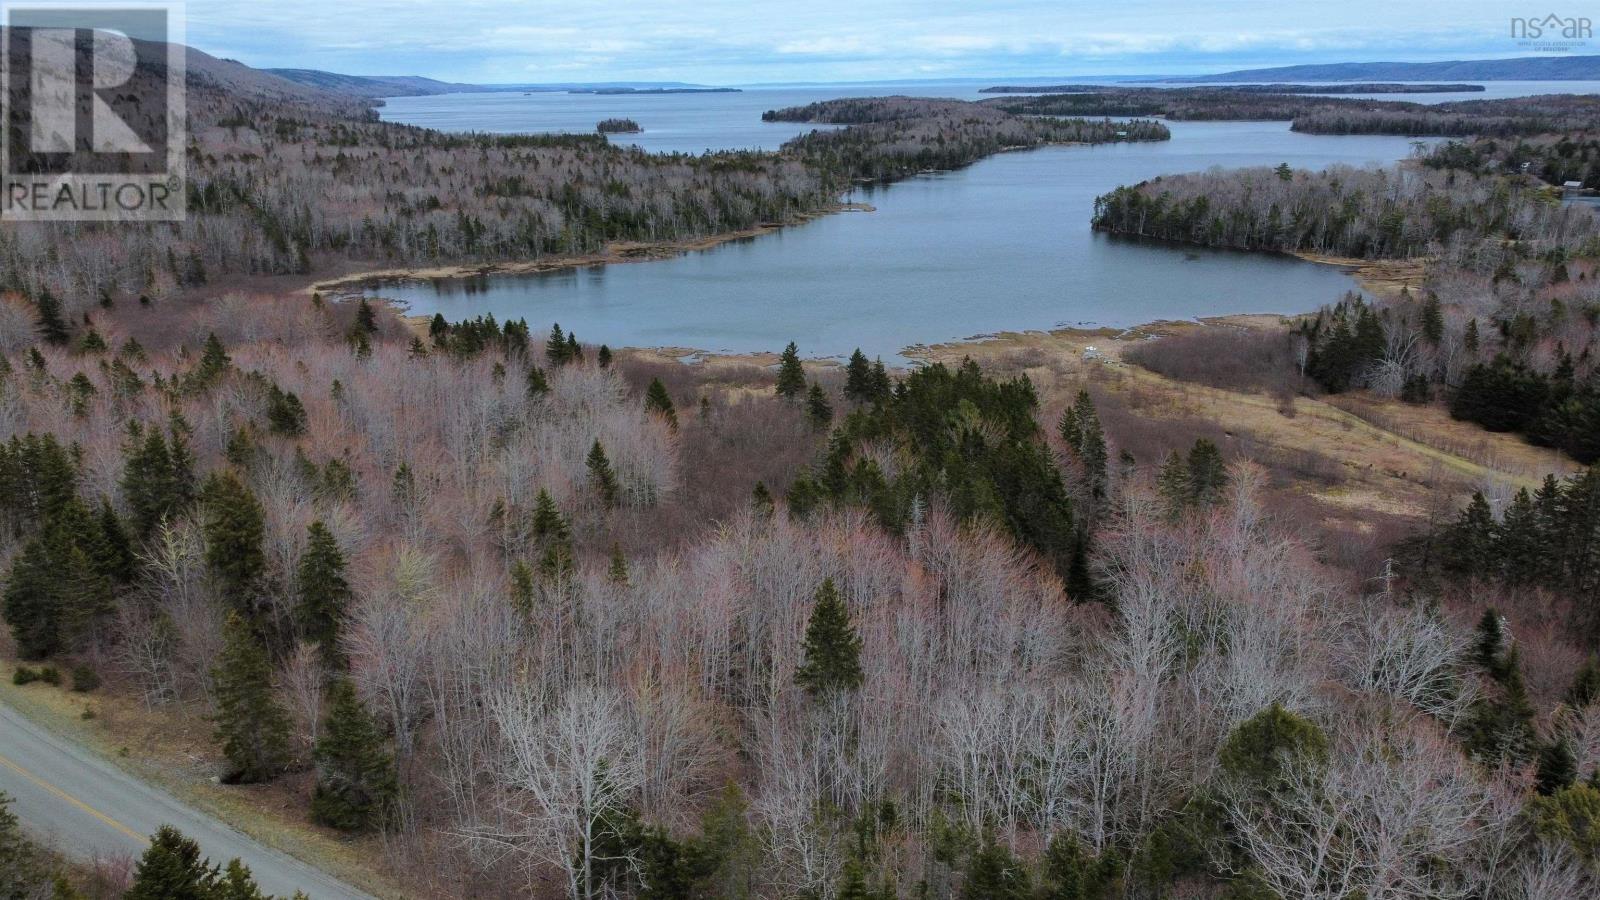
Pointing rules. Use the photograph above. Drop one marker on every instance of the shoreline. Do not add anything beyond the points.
(615, 252)
(1378, 277)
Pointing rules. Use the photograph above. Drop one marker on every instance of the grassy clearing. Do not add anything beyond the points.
(1391, 458)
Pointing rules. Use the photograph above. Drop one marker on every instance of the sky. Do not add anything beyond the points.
(738, 42)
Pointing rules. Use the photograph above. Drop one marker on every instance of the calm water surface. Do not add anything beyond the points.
(1002, 245)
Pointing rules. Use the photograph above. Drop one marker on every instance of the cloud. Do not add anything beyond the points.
(738, 41)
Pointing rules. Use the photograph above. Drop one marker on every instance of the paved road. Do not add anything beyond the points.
(84, 805)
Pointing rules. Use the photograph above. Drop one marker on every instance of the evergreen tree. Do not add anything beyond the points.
(538, 384)
(574, 350)
(548, 522)
(994, 873)
(1489, 645)
(149, 482)
(1256, 752)
(791, 375)
(601, 477)
(52, 324)
(1470, 545)
(603, 357)
(356, 783)
(286, 415)
(55, 593)
(172, 869)
(1519, 548)
(1470, 341)
(1080, 429)
(1207, 475)
(761, 499)
(234, 528)
(112, 554)
(366, 317)
(817, 406)
(1586, 686)
(183, 477)
(214, 363)
(251, 726)
(618, 573)
(832, 649)
(1557, 769)
(325, 595)
(882, 390)
(32, 604)
(1500, 726)
(555, 348)
(236, 883)
(24, 870)
(858, 385)
(657, 400)
(1432, 319)
(1172, 483)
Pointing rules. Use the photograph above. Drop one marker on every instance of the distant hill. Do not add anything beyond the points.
(377, 86)
(373, 85)
(1526, 68)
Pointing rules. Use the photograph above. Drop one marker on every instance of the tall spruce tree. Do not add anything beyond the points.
(1585, 687)
(234, 528)
(32, 602)
(325, 595)
(1172, 483)
(356, 783)
(173, 869)
(658, 401)
(832, 649)
(1432, 319)
(818, 409)
(149, 482)
(251, 726)
(555, 347)
(1208, 477)
(51, 323)
(858, 384)
(286, 415)
(791, 375)
(601, 476)
(366, 317)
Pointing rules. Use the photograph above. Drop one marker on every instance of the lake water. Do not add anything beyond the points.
(1002, 245)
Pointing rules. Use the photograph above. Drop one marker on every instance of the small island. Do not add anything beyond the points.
(618, 126)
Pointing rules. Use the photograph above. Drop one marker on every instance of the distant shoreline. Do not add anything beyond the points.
(616, 252)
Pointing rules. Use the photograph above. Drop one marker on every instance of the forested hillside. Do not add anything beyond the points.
(1545, 114)
(541, 614)
(892, 137)
(515, 615)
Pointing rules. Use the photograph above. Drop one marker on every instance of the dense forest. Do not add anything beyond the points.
(1553, 159)
(891, 137)
(1344, 211)
(1368, 87)
(1505, 327)
(1545, 114)
(560, 622)
(517, 615)
(296, 181)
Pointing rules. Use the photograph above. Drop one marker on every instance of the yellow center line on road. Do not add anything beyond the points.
(74, 801)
